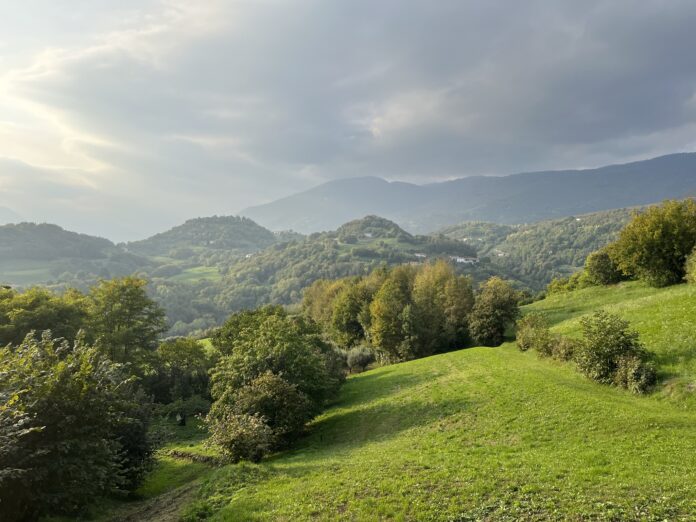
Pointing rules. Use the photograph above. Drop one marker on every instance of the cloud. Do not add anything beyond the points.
(165, 110)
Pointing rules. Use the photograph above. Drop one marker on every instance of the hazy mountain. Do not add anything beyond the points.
(519, 198)
(44, 242)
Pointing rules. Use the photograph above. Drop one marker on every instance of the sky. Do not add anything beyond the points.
(122, 118)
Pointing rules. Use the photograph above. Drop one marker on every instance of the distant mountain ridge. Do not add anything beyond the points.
(513, 199)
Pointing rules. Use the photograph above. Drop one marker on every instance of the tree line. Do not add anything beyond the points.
(411, 311)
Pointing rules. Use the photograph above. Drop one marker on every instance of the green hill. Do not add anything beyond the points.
(229, 233)
(280, 273)
(485, 434)
(536, 253)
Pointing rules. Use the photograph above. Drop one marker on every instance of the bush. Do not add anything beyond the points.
(610, 352)
(284, 409)
(600, 269)
(73, 426)
(690, 268)
(496, 307)
(634, 374)
(564, 348)
(655, 244)
(360, 358)
(533, 333)
(240, 437)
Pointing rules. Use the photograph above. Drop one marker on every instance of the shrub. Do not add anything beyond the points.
(360, 358)
(690, 268)
(533, 333)
(610, 351)
(496, 307)
(564, 348)
(75, 425)
(600, 269)
(655, 244)
(634, 373)
(240, 437)
(284, 409)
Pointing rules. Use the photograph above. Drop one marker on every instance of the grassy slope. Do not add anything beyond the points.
(474, 434)
(665, 319)
(490, 433)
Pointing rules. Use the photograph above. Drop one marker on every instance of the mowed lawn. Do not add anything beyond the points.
(478, 434)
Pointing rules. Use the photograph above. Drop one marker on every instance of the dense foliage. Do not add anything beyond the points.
(275, 374)
(73, 426)
(655, 245)
(496, 308)
(406, 312)
(39, 309)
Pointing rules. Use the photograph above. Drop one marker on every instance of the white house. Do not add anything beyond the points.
(465, 260)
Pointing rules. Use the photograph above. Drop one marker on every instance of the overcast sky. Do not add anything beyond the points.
(124, 117)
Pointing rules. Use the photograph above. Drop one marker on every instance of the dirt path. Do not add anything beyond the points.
(163, 508)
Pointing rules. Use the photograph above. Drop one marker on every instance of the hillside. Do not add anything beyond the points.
(539, 252)
(484, 434)
(231, 233)
(280, 273)
(519, 198)
(42, 253)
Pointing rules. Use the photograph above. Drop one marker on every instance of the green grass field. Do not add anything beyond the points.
(198, 273)
(488, 434)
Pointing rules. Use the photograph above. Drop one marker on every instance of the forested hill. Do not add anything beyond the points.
(44, 242)
(280, 273)
(215, 233)
(538, 252)
(520, 198)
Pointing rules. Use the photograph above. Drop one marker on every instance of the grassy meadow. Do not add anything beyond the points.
(478, 434)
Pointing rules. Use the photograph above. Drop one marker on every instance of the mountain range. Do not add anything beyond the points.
(513, 199)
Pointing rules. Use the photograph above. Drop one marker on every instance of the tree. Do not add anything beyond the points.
(241, 327)
(280, 404)
(655, 244)
(346, 325)
(387, 333)
(182, 367)
(124, 322)
(74, 424)
(496, 307)
(39, 309)
(290, 347)
(601, 270)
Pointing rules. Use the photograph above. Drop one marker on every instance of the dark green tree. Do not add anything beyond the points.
(496, 308)
(654, 246)
(124, 321)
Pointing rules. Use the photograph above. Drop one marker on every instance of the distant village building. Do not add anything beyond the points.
(420, 256)
(465, 260)
(368, 234)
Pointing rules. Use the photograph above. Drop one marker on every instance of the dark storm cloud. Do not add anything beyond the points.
(219, 107)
